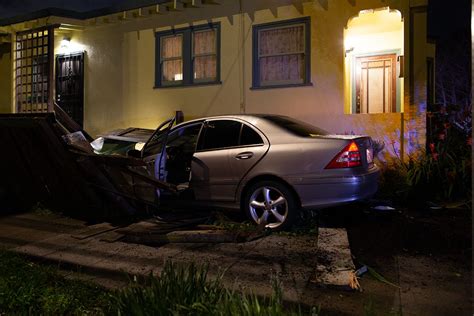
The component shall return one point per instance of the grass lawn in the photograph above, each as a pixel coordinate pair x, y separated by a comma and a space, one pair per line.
29, 288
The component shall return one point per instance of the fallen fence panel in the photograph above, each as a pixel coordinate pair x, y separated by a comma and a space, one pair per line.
45, 158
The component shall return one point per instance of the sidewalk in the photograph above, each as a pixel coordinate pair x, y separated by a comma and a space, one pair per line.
312, 271
249, 266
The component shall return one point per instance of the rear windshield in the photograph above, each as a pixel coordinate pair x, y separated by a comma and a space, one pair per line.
296, 127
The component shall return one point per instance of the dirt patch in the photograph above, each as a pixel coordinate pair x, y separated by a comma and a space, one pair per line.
426, 252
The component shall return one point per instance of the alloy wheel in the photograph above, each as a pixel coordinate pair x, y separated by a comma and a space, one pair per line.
269, 205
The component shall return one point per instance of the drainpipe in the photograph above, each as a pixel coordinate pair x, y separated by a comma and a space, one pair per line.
242, 61
402, 137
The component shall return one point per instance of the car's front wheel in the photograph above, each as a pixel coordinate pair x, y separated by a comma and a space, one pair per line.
272, 204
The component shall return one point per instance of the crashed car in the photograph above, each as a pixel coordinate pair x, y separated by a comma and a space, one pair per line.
268, 166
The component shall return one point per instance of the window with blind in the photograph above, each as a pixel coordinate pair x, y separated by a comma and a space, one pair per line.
281, 54
189, 56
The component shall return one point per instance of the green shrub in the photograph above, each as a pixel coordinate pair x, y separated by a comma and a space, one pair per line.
441, 174
445, 176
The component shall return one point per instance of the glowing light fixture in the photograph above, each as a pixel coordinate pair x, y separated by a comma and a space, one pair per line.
65, 43
68, 47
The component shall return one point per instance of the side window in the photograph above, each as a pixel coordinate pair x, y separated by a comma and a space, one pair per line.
184, 138
155, 144
249, 136
220, 134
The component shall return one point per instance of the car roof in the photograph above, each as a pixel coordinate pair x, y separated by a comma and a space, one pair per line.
244, 117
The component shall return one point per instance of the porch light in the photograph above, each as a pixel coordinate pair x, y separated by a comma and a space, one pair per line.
65, 43
68, 47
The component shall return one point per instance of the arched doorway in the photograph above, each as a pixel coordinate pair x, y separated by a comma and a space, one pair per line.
373, 43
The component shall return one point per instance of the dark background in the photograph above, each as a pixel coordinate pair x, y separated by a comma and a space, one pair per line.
449, 26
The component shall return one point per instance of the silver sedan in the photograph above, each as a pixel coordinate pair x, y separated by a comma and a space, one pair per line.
268, 166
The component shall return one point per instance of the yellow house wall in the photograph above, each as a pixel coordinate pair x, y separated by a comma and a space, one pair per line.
5, 78
120, 62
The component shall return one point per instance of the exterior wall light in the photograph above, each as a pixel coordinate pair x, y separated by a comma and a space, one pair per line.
65, 43
67, 46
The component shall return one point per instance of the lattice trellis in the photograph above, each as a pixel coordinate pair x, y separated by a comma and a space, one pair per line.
34, 70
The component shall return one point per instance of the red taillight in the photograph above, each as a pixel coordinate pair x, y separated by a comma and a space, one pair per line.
349, 157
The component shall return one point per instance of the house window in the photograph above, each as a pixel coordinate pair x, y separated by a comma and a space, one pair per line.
188, 56
172, 59
205, 55
281, 54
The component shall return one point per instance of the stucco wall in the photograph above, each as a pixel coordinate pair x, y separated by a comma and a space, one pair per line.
5, 78
120, 59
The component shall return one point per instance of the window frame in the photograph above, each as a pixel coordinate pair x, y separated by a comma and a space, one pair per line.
202, 134
306, 22
163, 59
180, 128
187, 56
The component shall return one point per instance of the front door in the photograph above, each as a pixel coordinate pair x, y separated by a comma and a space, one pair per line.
70, 85
376, 84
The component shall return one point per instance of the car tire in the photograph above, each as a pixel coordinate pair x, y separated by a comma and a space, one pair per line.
272, 202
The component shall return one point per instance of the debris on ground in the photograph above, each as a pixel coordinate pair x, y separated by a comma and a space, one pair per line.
354, 281
433, 206
361, 271
383, 208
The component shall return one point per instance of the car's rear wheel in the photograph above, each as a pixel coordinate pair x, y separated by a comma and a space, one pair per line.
272, 204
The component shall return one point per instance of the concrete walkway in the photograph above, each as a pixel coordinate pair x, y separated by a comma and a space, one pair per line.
301, 263
312, 271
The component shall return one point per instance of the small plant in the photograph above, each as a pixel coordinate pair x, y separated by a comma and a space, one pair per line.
307, 225
186, 290
441, 173
223, 221
30, 289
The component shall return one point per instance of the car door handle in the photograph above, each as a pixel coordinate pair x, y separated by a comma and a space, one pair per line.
244, 155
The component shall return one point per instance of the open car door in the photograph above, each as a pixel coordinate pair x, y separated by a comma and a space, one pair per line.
154, 152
